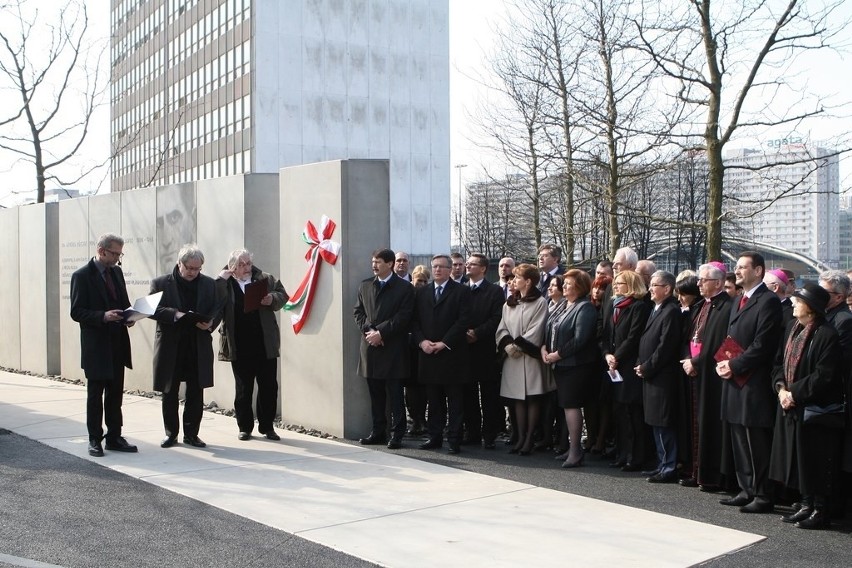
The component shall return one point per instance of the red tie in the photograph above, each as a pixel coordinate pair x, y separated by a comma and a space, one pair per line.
743, 301
110, 285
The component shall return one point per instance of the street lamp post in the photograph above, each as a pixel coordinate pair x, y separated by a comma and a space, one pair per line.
459, 210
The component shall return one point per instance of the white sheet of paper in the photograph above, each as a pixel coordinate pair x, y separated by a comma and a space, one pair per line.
615, 376
143, 307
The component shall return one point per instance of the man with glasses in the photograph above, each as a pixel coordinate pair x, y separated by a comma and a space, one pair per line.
439, 330
400, 266
708, 328
98, 298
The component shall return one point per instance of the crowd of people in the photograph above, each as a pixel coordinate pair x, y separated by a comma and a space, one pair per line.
724, 381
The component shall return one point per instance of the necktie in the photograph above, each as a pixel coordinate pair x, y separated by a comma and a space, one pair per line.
438, 292
110, 285
743, 301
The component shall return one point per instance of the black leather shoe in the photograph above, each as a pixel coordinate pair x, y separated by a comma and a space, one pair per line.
194, 441
394, 443
817, 520
271, 435
489, 444
373, 440
737, 501
663, 478
688, 482
431, 444
616, 463
168, 442
95, 449
631, 467
650, 472
454, 449
757, 507
244, 436
120, 445
799, 515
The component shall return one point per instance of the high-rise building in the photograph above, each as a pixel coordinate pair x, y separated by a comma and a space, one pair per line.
787, 197
211, 88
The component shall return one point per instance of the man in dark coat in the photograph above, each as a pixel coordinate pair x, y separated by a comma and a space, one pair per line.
188, 313
657, 366
709, 329
440, 331
383, 314
486, 309
98, 298
549, 258
251, 341
748, 403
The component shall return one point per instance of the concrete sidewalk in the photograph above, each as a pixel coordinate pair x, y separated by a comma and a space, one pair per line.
355, 499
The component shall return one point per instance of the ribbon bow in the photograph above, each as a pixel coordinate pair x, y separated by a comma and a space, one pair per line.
321, 248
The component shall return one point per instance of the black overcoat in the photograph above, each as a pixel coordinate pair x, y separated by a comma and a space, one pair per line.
389, 311
659, 361
841, 319
446, 320
486, 309
622, 340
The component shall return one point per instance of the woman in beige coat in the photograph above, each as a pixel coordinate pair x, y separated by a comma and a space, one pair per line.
520, 336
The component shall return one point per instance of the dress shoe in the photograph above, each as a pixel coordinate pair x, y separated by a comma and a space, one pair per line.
688, 482
817, 520
737, 501
244, 436
670, 477
120, 445
568, 464
95, 449
489, 444
394, 443
563, 456
431, 444
194, 441
168, 442
799, 515
631, 467
757, 507
618, 464
650, 472
271, 435
373, 440
454, 449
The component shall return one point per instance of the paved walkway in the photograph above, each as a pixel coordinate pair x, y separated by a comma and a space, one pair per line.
353, 499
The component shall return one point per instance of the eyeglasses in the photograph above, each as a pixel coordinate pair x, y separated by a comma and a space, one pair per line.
658, 285
117, 254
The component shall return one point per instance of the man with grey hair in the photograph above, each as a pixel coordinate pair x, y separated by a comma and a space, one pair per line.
250, 340
645, 269
188, 313
625, 259
706, 332
98, 298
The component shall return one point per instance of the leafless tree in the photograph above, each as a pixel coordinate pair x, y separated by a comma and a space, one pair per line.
732, 61
52, 66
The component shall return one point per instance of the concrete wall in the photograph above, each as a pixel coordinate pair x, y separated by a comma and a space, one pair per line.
264, 213
354, 195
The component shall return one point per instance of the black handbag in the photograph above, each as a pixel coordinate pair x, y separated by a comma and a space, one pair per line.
829, 416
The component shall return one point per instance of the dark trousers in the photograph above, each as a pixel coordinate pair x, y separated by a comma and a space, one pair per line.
484, 416
265, 372
665, 439
751, 447
630, 421
445, 400
193, 407
103, 404
383, 391
415, 401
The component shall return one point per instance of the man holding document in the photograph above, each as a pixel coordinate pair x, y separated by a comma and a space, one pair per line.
98, 299
250, 339
188, 312
745, 362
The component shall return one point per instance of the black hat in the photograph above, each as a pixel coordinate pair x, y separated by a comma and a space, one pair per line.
815, 296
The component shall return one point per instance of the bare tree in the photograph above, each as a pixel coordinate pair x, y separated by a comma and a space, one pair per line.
48, 61
729, 57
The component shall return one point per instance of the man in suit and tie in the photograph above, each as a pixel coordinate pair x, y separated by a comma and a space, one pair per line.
505, 269
549, 257
440, 332
383, 314
486, 308
189, 311
401, 264
457, 272
98, 298
748, 400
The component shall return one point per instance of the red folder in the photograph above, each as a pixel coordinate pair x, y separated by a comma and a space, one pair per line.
730, 349
254, 293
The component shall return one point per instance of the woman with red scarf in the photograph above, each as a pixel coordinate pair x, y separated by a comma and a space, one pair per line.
807, 375
623, 329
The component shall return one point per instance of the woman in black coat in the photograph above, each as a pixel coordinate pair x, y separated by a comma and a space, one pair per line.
622, 332
805, 455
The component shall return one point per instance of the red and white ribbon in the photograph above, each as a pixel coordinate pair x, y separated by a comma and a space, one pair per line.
321, 248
